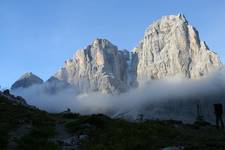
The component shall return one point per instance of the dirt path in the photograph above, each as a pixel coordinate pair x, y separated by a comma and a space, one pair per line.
65, 140
61, 131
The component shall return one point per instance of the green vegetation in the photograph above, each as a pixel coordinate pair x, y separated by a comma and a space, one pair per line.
38, 139
106, 133
4, 137
103, 132
13, 115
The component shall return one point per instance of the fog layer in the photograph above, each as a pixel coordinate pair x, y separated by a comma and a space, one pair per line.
173, 98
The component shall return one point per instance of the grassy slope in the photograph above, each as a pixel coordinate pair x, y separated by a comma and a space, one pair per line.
105, 133
13, 115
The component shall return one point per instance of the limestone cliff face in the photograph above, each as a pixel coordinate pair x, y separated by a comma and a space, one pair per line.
98, 67
172, 47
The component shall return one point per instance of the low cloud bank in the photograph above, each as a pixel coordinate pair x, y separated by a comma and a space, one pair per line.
174, 98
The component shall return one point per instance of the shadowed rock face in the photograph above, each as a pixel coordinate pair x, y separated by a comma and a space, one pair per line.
54, 85
26, 80
172, 47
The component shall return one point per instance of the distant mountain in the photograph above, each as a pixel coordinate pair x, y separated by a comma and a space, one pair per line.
98, 67
26, 80
54, 85
170, 47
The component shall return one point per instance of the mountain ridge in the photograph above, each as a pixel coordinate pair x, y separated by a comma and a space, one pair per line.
170, 47
26, 80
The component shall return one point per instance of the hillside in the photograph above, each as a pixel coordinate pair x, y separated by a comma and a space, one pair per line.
24, 128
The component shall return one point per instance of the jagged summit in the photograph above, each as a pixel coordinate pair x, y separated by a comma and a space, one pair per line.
104, 43
26, 80
170, 47
27, 75
180, 18
173, 47
98, 67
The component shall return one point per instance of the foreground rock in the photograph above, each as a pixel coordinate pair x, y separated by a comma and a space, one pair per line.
17, 99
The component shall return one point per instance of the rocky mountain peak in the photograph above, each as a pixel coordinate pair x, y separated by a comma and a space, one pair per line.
102, 43
26, 80
173, 47
27, 75
98, 67
170, 47
166, 22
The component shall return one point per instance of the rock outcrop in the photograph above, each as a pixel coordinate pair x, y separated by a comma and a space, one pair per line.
26, 80
172, 47
18, 99
98, 67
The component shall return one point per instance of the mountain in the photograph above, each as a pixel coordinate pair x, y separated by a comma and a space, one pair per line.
170, 47
26, 80
54, 85
98, 67
51, 86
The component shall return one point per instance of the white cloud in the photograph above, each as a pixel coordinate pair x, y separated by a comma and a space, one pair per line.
164, 99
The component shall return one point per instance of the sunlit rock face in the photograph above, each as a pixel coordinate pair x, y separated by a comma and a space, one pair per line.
26, 80
172, 47
98, 67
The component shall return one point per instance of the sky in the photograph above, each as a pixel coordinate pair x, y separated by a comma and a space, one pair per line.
39, 35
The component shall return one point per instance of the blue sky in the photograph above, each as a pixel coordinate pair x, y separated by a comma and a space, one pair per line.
39, 35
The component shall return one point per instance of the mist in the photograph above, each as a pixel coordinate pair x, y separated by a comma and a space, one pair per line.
173, 98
